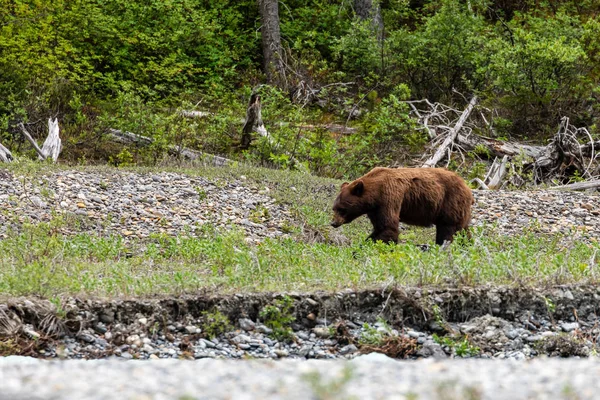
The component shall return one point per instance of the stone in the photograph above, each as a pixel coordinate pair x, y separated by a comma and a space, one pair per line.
322, 332
191, 329
246, 324
569, 326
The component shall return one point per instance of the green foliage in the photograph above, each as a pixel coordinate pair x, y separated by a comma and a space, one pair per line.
359, 50
461, 346
279, 317
215, 323
439, 56
373, 336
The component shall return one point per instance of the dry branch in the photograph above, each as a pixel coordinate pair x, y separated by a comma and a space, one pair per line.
129, 138
451, 137
31, 140
52, 145
571, 151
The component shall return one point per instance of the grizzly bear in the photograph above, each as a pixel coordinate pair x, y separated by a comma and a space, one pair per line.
414, 196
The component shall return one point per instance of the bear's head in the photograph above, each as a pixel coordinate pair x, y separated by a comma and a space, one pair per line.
350, 203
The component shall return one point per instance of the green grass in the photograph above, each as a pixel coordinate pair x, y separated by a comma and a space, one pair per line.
40, 260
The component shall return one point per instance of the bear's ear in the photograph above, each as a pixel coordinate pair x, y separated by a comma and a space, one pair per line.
357, 188
344, 184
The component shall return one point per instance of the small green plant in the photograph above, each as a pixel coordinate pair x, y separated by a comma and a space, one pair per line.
123, 159
279, 317
461, 346
259, 213
8, 347
373, 336
201, 193
60, 311
550, 305
215, 323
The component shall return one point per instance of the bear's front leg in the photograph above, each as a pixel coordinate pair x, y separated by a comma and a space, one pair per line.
385, 226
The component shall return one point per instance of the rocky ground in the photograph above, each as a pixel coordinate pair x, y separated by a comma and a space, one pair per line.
499, 323
137, 205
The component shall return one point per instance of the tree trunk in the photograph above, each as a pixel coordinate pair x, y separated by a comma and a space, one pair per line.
366, 10
271, 43
253, 122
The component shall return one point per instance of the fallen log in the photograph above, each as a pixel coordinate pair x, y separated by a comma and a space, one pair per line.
451, 137
130, 138
593, 184
499, 148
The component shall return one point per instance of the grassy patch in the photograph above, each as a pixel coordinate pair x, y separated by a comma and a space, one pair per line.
41, 260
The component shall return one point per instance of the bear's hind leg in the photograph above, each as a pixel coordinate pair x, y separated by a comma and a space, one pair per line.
444, 233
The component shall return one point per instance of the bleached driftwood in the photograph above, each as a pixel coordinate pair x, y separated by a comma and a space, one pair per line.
493, 178
52, 145
129, 138
571, 151
593, 184
5, 154
451, 137
195, 114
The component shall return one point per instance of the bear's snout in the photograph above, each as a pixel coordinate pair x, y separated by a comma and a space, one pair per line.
336, 224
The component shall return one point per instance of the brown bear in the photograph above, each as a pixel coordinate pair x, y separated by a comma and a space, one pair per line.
414, 196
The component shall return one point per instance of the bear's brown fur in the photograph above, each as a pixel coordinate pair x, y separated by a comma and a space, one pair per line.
414, 196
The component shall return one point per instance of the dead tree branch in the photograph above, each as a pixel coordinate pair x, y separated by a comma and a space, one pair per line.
31, 140
593, 184
451, 136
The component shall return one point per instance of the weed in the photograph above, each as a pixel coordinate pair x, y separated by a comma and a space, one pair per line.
215, 323
279, 317
461, 346
259, 214
201, 193
8, 347
371, 335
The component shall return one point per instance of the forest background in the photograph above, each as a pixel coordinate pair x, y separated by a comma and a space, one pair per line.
136, 66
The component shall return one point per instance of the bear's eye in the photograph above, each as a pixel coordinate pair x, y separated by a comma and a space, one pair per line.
341, 211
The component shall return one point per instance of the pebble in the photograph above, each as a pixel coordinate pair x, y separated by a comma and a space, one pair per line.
246, 324
141, 205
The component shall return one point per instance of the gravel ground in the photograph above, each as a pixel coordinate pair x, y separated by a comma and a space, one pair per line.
373, 376
137, 204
